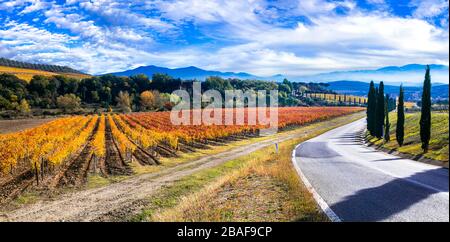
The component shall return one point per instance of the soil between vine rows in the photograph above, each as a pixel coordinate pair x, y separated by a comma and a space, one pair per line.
116, 201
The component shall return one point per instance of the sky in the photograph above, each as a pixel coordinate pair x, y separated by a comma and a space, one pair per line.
262, 37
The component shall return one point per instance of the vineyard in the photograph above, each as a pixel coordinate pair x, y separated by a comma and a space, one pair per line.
338, 98
27, 74
65, 151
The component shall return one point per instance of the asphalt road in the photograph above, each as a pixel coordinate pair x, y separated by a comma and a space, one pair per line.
359, 183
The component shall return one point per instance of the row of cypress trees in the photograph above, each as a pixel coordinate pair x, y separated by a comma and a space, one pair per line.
376, 110
425, 116
378, 119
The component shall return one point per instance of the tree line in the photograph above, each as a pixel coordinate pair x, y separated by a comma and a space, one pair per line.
106, 91
338, 98
42, 67
378, 110
59, 91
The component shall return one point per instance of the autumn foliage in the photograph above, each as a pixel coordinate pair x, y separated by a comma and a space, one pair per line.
58, 142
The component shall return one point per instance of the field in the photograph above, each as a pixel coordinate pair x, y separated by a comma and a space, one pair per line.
63, 152
439, 136
27, 74
410, 105
15, 125
336, 98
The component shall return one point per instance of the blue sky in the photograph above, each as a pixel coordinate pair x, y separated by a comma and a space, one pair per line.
262, 37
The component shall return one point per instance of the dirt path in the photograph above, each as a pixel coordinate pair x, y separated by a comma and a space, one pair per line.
11, 126
119, 199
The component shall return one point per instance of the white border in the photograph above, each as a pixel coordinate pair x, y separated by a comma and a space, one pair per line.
322, 204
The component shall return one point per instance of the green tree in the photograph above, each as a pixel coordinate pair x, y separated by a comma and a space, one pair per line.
69, 102
379, 120
425, 117
164, 83
400, 128
284, 88
142, 82
217, 83
287, 82
4, 103
24, 107
387, 125
371, 107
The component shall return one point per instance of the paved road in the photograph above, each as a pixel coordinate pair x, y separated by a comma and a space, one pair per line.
359, 183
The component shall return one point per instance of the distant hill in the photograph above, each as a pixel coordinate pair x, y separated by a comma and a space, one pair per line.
412, 67
438, 90
41, 67
192, 72
410, 75
26, 71
27, 74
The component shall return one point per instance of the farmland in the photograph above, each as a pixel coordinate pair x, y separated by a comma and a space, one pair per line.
63, 152
412, 144
27, 74
338, 98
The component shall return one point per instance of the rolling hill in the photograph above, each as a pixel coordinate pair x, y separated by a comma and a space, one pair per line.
27, 74
190, 72
26, 71
409, 75
438, 90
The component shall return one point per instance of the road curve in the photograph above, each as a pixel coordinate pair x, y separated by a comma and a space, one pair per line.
359, 183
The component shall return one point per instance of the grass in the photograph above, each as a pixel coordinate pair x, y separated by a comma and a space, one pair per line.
27, 74
261, 186
201, 153
96, 181
26, 198
439, 148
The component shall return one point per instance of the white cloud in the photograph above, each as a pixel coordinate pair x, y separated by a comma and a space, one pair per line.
27, 6
331, 43
11, 4
28, 43
118, 13
35, 5
429, 8
245, 35
73, 22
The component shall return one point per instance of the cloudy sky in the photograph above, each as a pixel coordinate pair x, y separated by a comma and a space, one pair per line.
262, 37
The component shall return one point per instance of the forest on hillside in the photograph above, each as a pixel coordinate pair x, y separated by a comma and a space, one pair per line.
135, 93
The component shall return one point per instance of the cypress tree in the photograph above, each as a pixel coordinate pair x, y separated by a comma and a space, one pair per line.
379, 120
375, 97
400, 129
371, 106
425, 117
387, 125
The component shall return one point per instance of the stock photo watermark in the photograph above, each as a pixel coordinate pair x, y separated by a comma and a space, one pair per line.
229, 108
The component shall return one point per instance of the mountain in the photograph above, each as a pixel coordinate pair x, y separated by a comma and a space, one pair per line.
412, 67
410, 75
412, 93
190, 72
